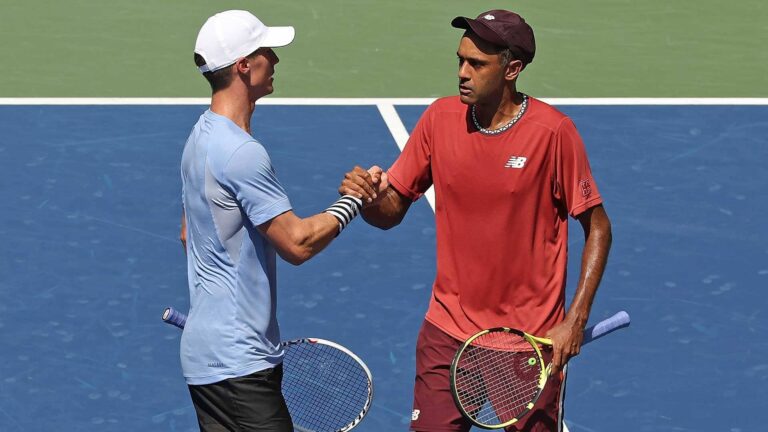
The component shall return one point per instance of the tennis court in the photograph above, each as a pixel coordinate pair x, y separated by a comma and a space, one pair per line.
91, 258
91, 192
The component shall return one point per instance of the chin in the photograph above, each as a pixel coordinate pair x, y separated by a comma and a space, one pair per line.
467, 100
266, 91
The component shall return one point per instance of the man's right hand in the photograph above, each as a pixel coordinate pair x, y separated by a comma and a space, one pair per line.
367, 185
383, 206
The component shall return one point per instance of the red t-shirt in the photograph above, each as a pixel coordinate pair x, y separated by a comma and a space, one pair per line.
501, 208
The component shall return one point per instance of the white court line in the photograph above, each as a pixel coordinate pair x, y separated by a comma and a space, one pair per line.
206, 101
656, 101
400, 134
377, 101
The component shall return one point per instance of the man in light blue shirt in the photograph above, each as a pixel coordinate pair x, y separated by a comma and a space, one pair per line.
237, 218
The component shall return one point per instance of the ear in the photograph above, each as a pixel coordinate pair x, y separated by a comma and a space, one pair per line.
242, 65
513, 69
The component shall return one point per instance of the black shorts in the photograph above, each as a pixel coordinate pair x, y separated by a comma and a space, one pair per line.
251, 403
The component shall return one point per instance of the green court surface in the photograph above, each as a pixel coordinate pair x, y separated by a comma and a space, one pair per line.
395, 48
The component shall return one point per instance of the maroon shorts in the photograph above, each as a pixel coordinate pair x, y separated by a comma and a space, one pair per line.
433, 407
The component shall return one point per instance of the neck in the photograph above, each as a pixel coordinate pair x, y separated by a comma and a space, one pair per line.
234, 105
496, 112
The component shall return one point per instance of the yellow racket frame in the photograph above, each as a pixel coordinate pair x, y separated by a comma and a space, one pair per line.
543, 374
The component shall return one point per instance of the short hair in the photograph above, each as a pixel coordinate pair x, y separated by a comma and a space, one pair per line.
506, 56
218, 79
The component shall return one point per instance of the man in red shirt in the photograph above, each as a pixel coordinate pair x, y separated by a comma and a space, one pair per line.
507, 170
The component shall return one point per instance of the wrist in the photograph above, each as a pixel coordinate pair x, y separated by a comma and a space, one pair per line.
344, 210
577, 318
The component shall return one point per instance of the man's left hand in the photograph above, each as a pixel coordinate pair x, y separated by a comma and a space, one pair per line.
566, 342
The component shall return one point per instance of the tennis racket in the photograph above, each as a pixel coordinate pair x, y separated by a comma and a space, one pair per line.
498, 374
326, 386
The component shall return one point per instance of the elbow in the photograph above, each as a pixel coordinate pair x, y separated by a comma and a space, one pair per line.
300, 249
299, 260
295, 261
292, 238
297, 255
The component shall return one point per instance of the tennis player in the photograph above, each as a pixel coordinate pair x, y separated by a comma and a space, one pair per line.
508, 170
237, 217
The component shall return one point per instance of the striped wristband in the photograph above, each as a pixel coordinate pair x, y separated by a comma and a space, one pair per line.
345, 209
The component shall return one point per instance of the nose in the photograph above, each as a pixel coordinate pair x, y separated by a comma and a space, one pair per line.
463, 72
275, 58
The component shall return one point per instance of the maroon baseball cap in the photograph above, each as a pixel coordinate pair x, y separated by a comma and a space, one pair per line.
503, 28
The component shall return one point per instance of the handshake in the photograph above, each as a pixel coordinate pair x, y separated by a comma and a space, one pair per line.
369, 185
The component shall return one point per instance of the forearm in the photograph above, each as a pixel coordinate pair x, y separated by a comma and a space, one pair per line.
297, 240
567, 336
388, 211
314, 234
593, 261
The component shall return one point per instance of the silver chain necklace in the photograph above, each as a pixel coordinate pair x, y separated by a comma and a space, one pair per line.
509, 124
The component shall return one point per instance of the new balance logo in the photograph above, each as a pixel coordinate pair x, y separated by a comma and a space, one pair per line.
415, 415
516, 162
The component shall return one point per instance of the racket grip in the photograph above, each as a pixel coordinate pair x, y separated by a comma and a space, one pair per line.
174, 317
618, 321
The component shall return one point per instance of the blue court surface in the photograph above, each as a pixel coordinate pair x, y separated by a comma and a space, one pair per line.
90, 257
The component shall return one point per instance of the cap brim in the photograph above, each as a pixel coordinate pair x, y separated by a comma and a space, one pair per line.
276, 37
460, 22
478, 28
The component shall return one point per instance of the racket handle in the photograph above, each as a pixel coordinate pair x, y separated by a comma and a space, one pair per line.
618, 321
174, 317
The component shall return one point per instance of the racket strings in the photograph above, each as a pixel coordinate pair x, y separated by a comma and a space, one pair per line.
325, 389
497, 377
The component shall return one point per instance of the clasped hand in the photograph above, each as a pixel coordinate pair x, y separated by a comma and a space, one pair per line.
368, 185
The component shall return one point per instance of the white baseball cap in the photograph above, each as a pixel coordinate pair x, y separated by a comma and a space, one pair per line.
230, 35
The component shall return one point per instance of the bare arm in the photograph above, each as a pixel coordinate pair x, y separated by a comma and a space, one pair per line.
183, 233
385, 206
297, 240
567, 336
388, 211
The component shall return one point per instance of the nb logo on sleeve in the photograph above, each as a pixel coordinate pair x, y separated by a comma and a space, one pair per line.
415, 415
516, 162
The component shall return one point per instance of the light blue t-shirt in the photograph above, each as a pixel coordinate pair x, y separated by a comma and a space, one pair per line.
229, 188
